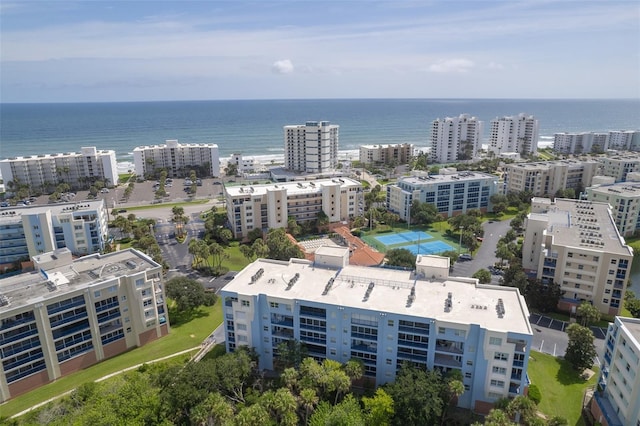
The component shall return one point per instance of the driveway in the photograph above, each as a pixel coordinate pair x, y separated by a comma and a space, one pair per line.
485, 255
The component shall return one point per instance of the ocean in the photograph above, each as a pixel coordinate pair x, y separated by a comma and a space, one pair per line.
254, 128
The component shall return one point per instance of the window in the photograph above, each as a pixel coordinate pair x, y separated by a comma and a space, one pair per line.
388, 361
497, 383
96, 293
467, 375
496, 341
241, 327
501, 356
246, 303
242, 338
265, 328
274, 305
390, 323
332, 351
469, 362
499, 370
441, 330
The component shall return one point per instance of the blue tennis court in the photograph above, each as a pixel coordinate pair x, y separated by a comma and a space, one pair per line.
434, 247
403, 237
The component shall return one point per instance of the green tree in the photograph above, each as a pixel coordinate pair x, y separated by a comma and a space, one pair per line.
417, 396
632, 303
452, 255
308, 399
187, 293
588, 314
281, 405
346, 413
378, 409
214, 410
280, 247
423, 213
580, 349
543, 297
483, 276
290, 353
401, 257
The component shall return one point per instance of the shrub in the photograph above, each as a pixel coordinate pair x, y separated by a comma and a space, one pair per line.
534, 394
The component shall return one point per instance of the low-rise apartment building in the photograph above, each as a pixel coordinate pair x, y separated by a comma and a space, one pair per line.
545, 178
386, 154
617, 400
575, 244
385, 318
451, 192
78, 169
624, 198
619, 165
32, 230
178, 159
71, 314
270, 205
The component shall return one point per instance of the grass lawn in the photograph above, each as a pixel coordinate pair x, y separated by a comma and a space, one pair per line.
508, 214
560, 385
236, 261
183, 336
166, 205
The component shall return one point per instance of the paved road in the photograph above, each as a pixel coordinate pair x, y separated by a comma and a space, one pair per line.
486, 253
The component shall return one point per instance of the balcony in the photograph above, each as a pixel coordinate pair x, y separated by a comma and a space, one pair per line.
413, 344
8, 337
283, 320
365, 348
7, 323
447, 361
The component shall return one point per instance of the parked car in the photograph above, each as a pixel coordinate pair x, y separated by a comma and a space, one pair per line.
465, 257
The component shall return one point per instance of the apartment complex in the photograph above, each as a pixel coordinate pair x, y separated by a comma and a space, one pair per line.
580, 143
547, 177
78, 169
386, 154
31, 230
455, 138
74, 313
514, 134
311, 147
619, 165
271, 205
385, 317
576, 245
451, 192
178, 159
624, 198
617, 401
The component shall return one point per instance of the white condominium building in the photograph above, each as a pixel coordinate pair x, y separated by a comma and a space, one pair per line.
71, 314
624, 198
28, 231
455, 138
576, 245
547, 177
311, 147
618, 166
617, 400
269, 206
584, 142
78, 169
514, 134
386, 154
628, 140
385, 318
178, 159
451, 192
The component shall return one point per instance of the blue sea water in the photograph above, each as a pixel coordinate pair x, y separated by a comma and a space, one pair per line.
255, 127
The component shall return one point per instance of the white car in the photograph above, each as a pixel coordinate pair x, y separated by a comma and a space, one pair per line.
104, 190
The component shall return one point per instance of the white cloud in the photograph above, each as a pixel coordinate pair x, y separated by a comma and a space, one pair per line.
495, 66
283, 66
452, 65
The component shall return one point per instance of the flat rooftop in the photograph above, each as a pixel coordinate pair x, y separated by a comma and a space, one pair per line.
11, 214
584, 225
472, 303
28, 288
545, 165
620, 189
292, 188
453, 177
633, 325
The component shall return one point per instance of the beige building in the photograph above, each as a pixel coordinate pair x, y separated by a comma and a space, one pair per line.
74, 313
269, 206
576, 244
546, 178
624, 198
386, 154
78, 169
619, 165
178, 159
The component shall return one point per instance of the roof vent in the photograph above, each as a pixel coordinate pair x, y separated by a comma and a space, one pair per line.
293, 280
369, 290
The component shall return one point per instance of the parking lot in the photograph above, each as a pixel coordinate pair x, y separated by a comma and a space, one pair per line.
547, 322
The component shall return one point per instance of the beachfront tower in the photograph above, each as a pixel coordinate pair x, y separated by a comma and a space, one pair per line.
455, 138
311, 147
514, 134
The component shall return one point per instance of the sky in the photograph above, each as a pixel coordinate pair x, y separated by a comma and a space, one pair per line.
94, 51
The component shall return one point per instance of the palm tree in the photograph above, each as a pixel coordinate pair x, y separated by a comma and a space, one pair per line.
308, 400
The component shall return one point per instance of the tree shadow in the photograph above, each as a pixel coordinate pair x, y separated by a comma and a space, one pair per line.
217, 351
567, 375
177, 319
